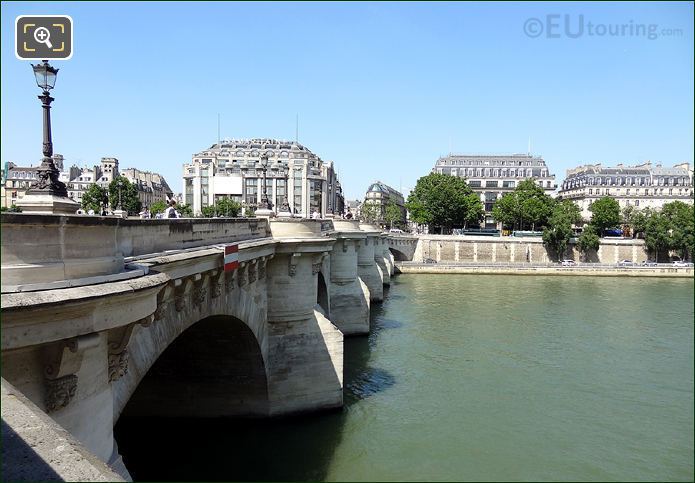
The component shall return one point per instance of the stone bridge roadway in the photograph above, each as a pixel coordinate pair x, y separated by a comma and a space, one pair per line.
102, 316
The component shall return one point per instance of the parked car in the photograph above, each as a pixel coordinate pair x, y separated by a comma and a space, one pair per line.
681, 263
649, 263
568, 263
429, 260
395, 230
625, 263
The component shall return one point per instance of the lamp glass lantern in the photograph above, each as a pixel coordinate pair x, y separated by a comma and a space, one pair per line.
45, 75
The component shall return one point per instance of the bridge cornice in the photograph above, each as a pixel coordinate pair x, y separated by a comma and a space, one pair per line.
48, 316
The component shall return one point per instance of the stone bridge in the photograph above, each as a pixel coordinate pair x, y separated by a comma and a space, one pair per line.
105, 316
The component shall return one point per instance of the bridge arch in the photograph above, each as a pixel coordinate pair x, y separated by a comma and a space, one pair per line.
213, 368
398, 255
235, 317
322, 294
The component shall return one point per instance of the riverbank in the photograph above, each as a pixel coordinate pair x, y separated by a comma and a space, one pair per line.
593, 270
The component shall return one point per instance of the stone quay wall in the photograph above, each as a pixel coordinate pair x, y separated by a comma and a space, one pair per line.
483, 249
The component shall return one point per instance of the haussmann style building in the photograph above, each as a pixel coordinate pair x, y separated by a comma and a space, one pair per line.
381, 195
233, 169
491, 176
641, 186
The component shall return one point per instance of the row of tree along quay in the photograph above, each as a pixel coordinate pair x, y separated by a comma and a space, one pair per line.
444, 202
122, 193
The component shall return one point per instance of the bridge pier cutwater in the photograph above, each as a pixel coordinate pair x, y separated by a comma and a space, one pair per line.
107, 316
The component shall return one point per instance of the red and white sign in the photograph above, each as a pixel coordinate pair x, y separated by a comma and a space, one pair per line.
231, 257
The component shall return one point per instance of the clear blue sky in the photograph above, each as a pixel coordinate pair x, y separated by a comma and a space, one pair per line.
382, 89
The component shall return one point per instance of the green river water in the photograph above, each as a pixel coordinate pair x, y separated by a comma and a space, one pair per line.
469, 377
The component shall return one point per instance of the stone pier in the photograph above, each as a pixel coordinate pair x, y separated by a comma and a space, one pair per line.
349, 294
367, 268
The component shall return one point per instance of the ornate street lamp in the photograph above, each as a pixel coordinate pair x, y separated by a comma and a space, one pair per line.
266, 204
119, 183
47, 174
285, 207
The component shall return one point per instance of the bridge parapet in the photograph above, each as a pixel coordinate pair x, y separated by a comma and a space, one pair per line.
37, 250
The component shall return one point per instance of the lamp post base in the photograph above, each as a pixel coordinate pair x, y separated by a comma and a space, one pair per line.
265, 213
47, 204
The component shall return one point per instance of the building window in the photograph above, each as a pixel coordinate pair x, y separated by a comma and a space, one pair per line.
189, 192
591, 192
636, 202
491, 184
474, 184
280, 192
315, 195
490, 198
298, 207
251, 190
508, 184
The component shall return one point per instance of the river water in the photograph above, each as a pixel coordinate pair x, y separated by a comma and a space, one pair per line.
475, 377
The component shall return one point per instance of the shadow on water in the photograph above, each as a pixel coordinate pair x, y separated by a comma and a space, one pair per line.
298, 448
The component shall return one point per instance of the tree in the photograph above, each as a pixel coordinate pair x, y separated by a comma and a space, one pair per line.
588, 240
639, 221
370, 211
208, 211
185, 211
526, 206
474, 210
656, 234
93, 198
443, 200
158, 207
228, 207
681, 226
605, 214
558, 232
507, 210
129, 199
393, 214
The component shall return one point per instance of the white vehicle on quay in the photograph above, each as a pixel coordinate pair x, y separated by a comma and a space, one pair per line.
568, 263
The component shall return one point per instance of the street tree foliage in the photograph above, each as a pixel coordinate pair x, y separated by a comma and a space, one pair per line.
93, 198
558, 231
682, 227
158, 207
223, 207
656, 234
445, 201
671, 228
589, 240
129, 200
393, 214
526, 207
186, 211
370, 212
605, 214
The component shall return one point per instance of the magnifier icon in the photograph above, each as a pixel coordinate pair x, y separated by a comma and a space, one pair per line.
43, 36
